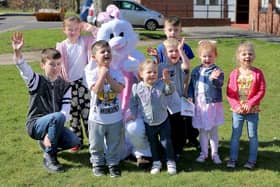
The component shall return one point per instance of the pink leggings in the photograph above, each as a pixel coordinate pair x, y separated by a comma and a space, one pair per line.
214, 141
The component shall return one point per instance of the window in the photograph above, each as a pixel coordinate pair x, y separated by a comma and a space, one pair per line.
277, 4
200, 2
265, 3
207, 2
127, 5
214, 2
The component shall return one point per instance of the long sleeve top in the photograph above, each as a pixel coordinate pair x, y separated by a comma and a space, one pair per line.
213, 88
151, 101
45, 96
256, 92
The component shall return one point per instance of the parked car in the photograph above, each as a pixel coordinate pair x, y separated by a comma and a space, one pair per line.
138, 15
4, 3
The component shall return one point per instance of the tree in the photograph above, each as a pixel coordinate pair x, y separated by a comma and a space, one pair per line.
78, 4
101, 5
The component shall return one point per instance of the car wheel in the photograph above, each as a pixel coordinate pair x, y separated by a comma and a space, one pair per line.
151, 25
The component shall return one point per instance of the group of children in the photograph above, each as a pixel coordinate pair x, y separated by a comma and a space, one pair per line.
93, 96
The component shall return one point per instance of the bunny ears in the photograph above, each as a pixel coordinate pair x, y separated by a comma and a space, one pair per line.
112, 11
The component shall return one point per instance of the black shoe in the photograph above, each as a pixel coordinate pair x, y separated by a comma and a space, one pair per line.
51, 163
114, 171
99, 171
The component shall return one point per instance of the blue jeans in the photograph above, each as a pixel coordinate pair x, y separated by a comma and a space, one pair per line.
60, 136
160, 136
252, 129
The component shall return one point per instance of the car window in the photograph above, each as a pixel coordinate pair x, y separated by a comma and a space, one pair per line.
128, 5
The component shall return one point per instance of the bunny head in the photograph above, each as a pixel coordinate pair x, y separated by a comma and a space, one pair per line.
118, 32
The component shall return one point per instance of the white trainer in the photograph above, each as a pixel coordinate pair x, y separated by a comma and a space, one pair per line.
201, 158
156, 167
171, 167
216, 159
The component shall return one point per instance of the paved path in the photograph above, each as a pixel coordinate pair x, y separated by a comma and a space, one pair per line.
193, 33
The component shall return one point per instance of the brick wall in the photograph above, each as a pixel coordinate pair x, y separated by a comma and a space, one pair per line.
181, 8
264, 20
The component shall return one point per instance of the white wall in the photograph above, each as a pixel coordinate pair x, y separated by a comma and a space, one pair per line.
200, 11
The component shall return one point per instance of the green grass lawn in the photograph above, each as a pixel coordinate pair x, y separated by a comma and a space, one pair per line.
21, 157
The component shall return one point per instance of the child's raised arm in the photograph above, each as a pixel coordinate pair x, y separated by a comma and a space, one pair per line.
153, 52
17, 44
30, 78
185, 60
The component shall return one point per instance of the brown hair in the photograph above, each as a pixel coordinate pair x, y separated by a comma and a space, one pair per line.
143, 64
207, 45
246, 45
173, 20
99, 44
72, 18
49, 54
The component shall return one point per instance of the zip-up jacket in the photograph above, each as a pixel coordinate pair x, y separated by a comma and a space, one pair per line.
45, 96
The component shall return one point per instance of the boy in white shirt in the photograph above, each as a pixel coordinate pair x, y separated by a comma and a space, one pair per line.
105, 117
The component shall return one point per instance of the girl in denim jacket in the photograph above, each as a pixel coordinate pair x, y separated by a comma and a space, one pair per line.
205, 91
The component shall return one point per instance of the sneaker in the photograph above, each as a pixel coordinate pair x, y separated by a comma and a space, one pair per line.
51, 163
114, 171
156, 167
216, 159
201, 158
249, 165
99, 171
171, 167
231, 164
143, 163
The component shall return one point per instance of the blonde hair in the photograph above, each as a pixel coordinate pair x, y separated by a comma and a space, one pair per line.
170, 42
143, 65
209, 45
242, 46
71, 19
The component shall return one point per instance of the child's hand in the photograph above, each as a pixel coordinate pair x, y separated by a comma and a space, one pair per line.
103, 71
239, 110
17, 41
152, 51
215, 74
46, 141
190, 99
130, 118
246, 108
181, 44
86, 27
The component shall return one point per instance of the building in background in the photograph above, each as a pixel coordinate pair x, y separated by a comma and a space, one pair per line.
261, 15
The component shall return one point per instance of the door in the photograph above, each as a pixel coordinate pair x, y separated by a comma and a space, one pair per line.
242, 11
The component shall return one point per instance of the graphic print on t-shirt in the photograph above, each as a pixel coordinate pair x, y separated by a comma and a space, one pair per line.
107, 100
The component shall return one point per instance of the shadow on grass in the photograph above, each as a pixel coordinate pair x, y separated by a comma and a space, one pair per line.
82, 159
79, 158
266, 159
